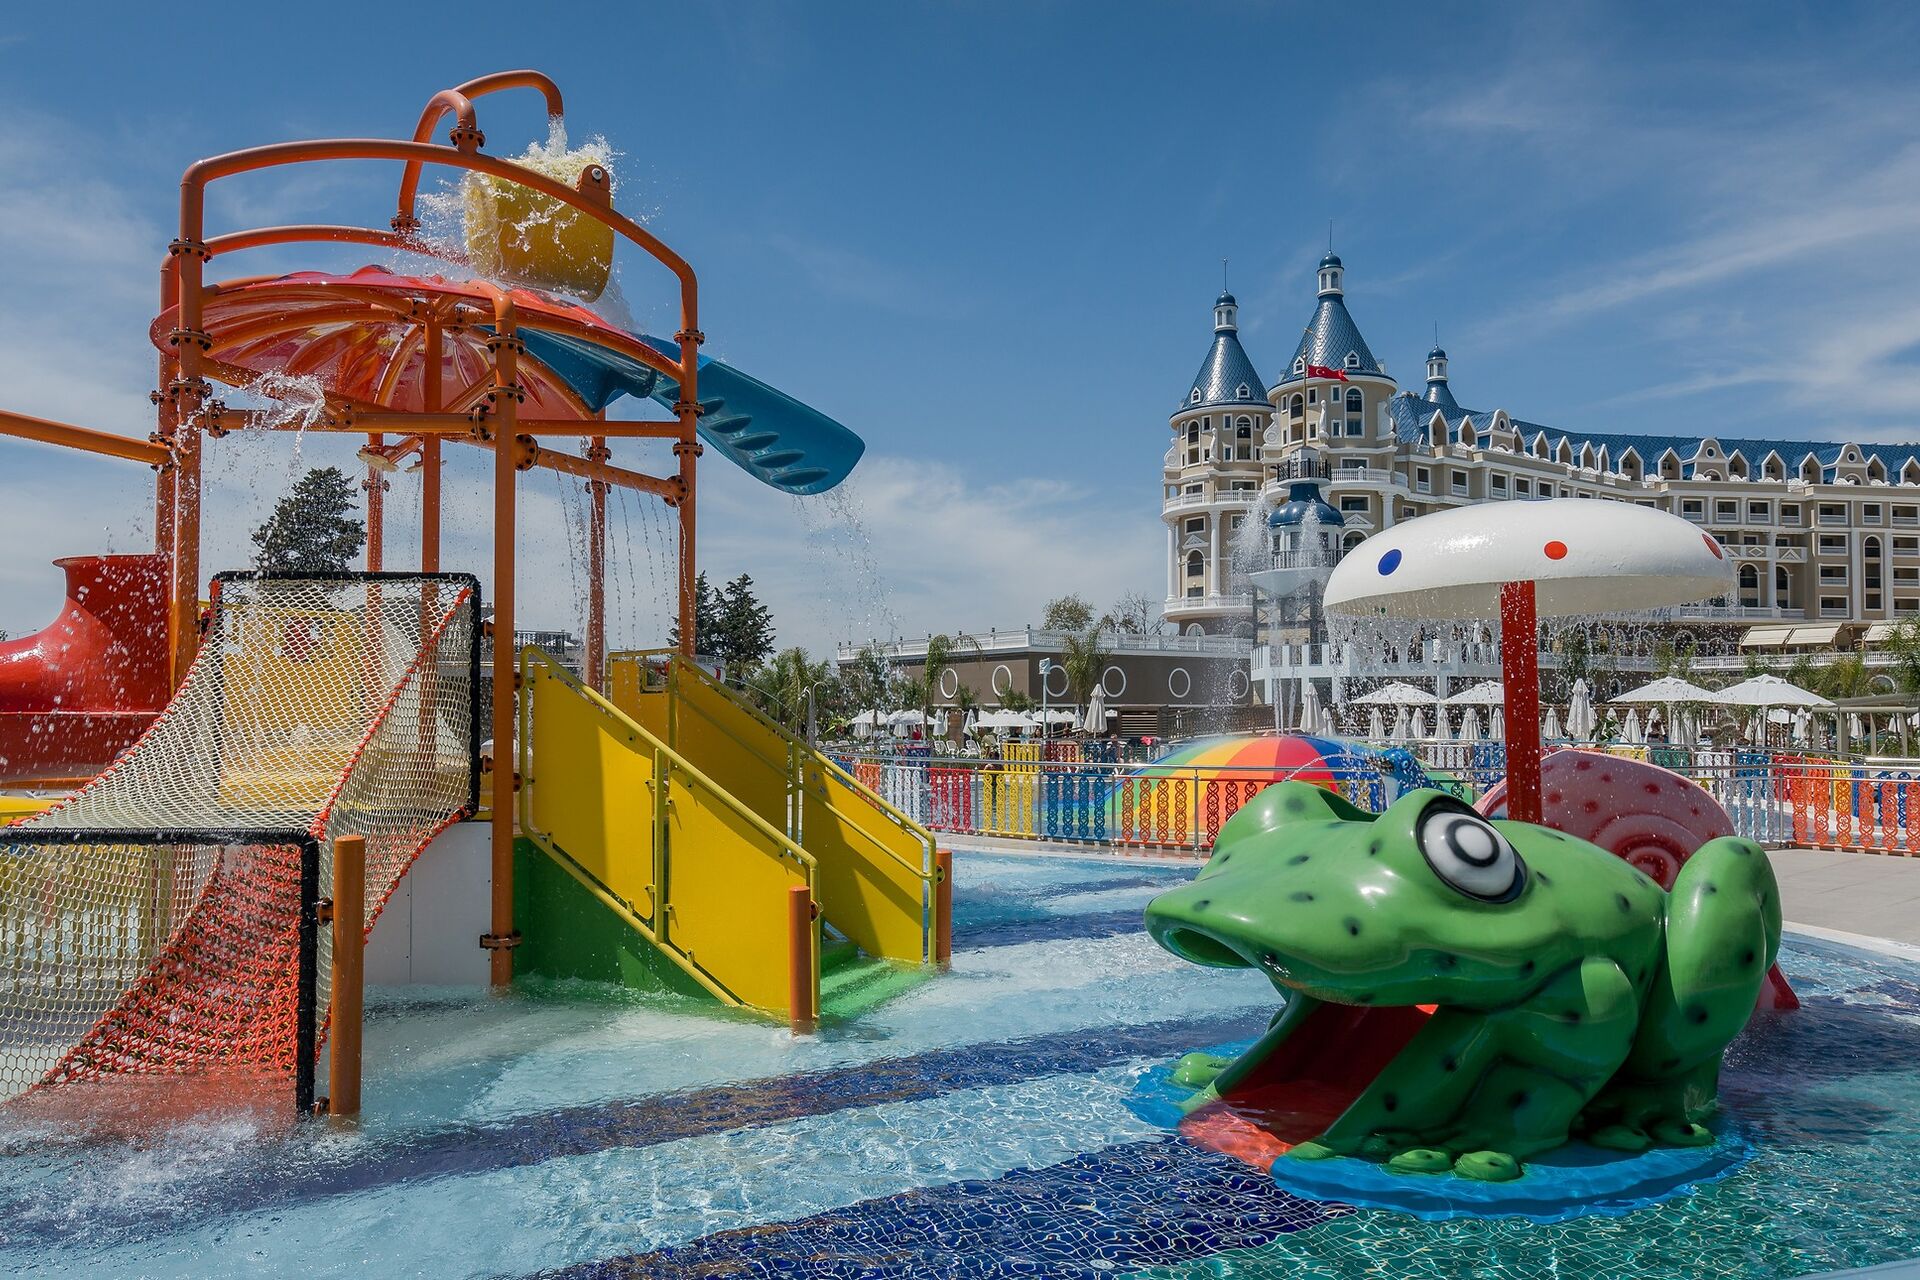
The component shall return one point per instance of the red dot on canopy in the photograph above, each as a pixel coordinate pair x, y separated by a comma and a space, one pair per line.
1556, 550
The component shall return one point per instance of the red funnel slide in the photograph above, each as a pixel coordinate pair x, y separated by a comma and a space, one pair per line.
75, 695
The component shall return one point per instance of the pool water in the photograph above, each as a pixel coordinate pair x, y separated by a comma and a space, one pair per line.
974, 1126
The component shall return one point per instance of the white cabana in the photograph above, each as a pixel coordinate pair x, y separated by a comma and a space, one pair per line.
941, 724
1487, 693
1003, 721
1418, 727
1470, 725
1550, 727
1329, 728
1630, 731
1397, 694
1497, 724
1376, 725
907, 720
971, 723
1402, 726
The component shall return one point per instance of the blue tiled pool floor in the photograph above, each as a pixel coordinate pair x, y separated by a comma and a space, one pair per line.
977, 1126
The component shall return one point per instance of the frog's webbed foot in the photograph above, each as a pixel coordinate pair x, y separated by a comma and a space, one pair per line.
1421, 1160
1682, 1133
1487, 1166
1619, 1137
1199, 1070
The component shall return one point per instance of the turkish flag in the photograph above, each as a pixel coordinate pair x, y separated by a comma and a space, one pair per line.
1322, 371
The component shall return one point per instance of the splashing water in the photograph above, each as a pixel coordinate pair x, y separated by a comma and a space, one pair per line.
854, 588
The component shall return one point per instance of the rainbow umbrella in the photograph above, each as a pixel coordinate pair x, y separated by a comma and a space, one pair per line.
1196, 786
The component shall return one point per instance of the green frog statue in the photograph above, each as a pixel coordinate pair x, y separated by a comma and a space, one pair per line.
1570, 994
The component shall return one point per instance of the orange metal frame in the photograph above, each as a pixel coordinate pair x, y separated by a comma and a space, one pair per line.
486, 414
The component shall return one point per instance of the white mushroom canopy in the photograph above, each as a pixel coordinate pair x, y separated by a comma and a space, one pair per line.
1583, 555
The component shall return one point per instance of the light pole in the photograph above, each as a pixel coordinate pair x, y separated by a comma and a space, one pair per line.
1046, 669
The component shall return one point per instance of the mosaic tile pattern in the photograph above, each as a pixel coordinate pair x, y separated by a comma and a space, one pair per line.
1084, 1219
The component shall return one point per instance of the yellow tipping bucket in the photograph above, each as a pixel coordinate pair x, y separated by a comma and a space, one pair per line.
518, 236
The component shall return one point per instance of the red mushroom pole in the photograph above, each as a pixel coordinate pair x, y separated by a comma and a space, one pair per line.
1520, 680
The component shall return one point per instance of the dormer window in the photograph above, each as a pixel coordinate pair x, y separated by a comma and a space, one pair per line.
1300, 366
1242, 393
1194, 397
1353, 360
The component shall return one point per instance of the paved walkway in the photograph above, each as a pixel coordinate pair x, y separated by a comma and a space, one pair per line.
1863, 896
1868, 894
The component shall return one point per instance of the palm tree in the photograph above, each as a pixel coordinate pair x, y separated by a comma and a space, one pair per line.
1845, 677
940, 654
1084, 661
782, 686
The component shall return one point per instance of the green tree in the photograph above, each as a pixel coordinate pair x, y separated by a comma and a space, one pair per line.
312, 529
866, 682
1084, 661
1903, 646
1067, 613
1132, 614
1014, 700
742, 628
781, 687
1845, 676
941, 651
706, 619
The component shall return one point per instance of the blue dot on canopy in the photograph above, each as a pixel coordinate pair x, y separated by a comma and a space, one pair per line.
1389, 562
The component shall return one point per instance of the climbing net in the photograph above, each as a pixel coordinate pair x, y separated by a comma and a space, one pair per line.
163, 920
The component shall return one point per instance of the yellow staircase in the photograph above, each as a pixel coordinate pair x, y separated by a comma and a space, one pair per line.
694, 819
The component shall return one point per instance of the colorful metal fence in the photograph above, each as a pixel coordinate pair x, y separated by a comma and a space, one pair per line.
1779, 800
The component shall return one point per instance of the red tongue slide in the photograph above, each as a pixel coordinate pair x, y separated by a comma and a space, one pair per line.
1304, 1085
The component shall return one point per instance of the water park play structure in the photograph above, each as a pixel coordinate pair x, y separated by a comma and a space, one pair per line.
167, 919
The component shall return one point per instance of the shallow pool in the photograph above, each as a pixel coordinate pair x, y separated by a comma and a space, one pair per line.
974, 1126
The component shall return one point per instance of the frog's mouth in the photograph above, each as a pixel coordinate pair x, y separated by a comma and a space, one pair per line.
1315, 1060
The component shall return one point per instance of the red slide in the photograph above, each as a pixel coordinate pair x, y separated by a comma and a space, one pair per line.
75, 695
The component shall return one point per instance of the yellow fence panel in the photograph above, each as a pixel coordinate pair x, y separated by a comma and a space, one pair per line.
727, 882
874, 866
706, 880
590, 790
874, 870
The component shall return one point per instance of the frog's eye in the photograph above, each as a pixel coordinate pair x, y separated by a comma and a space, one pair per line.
1466, 852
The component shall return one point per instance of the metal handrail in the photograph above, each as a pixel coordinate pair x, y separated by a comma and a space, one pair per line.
532, 655
926, 873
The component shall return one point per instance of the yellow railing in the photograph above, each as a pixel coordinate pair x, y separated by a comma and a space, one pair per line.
877, 873
699, 874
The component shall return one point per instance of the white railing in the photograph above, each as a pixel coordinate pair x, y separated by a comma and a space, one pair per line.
1042, 640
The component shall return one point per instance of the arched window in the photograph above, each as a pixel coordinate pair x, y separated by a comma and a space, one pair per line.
1750, 586
1354, 402
1196, 564
1296, 406
1353, 539
1782, 588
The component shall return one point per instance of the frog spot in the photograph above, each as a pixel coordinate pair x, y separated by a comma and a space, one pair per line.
1543, 877
1390, 1102
1203, 904
1527, 967
1624, 902
1448, 1064
1302, 896
1298, 858
1749, 957
1353, 927
1710, 887
1373, 848
1519, 1099
1293, 804
1697, 1014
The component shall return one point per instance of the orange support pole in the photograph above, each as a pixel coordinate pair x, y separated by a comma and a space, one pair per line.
186, 549
943, 908
431, 395
502, 420
595, 663
376, 510
349, 975
800, 960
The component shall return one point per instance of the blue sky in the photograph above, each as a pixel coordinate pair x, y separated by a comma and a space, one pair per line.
987, 237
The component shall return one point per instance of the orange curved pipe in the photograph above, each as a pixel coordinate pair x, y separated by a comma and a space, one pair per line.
461, 99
